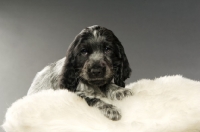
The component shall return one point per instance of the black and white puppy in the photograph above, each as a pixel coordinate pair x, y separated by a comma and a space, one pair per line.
95, 67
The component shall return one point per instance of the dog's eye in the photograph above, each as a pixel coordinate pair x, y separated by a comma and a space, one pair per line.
108, 50
84, 52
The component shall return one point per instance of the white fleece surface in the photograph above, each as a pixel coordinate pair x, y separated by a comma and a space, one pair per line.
166, 104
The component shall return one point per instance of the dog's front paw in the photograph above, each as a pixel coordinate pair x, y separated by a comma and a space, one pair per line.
111, 112
119, 94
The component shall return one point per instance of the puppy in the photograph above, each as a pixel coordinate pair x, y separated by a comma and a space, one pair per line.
95, 67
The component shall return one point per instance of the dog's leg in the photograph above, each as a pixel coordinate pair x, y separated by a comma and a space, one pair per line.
84, 90
93, 98
115, 92
108, 110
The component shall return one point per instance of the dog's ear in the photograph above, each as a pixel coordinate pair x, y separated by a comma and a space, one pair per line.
69, 77
122, 70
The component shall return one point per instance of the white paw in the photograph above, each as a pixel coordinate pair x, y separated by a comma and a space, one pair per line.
111, 112
121, 93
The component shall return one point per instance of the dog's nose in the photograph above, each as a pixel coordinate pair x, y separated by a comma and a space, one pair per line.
97, 72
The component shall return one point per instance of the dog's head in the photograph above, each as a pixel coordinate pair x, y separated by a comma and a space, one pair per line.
96, 56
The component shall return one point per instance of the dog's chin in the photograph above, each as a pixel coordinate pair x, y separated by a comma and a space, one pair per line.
97, 82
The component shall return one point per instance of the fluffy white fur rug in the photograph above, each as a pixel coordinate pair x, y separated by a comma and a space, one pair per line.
166, 104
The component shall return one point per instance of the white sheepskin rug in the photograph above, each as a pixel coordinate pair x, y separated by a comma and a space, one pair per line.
166, 104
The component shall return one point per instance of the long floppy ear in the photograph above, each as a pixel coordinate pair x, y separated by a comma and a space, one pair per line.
69, 76
122, 71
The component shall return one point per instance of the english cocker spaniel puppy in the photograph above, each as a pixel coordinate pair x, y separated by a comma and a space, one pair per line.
95, 67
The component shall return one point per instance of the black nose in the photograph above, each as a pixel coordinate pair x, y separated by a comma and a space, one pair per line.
97, 72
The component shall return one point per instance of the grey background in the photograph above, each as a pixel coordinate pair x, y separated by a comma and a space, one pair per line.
160, 37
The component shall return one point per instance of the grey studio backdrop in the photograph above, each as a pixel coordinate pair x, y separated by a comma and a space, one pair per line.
160, 37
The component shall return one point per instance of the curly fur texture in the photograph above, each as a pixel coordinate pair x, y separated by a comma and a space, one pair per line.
166, 104
95, 66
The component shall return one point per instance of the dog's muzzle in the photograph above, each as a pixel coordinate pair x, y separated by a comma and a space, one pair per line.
97, 70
